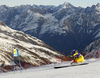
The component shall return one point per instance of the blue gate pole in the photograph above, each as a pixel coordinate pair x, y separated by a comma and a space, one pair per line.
19, 61
13, 58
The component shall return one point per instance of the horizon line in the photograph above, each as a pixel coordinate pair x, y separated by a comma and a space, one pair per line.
48, 5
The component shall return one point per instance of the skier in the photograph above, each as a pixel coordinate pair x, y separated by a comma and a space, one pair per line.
77, 57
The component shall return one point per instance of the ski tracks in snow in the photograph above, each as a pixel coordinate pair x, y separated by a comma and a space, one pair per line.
91, 70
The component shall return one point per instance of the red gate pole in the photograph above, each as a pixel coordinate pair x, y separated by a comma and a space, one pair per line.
89, 55
58, 59
64, 56
25, 65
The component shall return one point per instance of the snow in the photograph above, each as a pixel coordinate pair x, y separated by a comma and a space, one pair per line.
52, 25
29, 45
17, 17
98, 8
98, 35
80, 21
31, 24
92, 70
6, 28
9, 36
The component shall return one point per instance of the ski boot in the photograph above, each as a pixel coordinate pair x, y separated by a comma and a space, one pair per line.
74, 63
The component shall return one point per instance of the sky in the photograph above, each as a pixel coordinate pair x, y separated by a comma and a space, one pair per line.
82, 3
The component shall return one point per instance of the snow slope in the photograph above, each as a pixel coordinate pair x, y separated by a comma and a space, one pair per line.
31, 49
92, 70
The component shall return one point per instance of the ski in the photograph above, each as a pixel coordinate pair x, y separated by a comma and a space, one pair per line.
70, 65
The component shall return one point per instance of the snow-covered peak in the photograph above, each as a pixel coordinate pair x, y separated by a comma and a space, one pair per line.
98, 8
98, 5
66, 5
4, 27
2, 24
3, 7
40, 21
93, 9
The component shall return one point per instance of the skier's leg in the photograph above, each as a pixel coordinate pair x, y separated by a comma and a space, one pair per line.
74, 62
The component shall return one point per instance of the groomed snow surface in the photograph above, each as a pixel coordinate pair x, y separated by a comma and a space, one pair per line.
91, 70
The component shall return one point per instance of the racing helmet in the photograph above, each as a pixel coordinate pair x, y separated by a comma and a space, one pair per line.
73, 52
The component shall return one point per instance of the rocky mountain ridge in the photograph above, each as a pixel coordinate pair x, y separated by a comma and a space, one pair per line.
64, 27
31, 50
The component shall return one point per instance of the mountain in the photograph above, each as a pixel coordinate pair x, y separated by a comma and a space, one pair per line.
94, 46
92, 50
64, 27
31, 50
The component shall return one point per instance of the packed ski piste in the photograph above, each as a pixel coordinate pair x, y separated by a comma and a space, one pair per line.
79, 67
